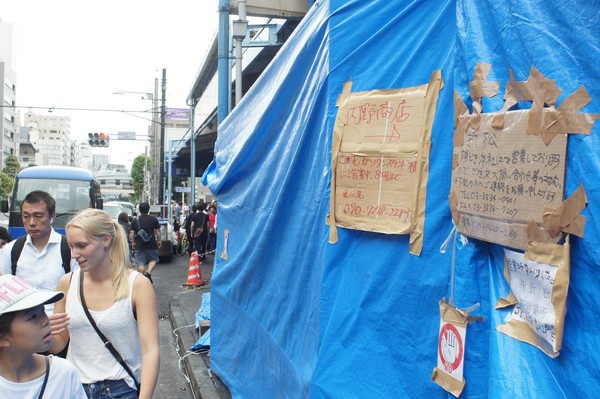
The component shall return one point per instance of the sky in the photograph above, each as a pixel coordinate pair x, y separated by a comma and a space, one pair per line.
75, 54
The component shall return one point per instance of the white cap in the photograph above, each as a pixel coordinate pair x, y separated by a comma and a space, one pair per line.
16, 294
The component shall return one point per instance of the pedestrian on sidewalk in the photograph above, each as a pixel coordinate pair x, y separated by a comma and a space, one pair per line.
24, 332
200, 230
123, 220
106, 298
145, 239
188, 229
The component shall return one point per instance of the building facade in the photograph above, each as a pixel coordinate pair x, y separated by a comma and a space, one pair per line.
8, 122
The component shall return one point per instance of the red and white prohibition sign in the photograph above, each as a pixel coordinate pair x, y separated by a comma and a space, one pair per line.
451, 350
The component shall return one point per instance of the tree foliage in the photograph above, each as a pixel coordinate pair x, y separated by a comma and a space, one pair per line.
12, 166
6, 185
137, 176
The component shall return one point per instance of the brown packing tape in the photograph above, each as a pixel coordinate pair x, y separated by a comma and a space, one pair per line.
335, 149
483, 88
510, 300
480, 87
498, 121
576, 227
536, 87
434, 86
567, 119
540, 90
453, 199
452, 385
451, 314
455, 161
533, 232
461, 120
557, 219
460, 108
521, 331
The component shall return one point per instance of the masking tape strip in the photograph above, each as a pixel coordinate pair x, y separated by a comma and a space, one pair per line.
338, 132
461, 120
534, 233
452, 385
510, 300
480, 87
556, 220
567, 119
434, 86
510, 99
536, 87
455, 161
453, 199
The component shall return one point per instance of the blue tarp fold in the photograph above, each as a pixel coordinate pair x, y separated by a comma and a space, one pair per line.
294, 316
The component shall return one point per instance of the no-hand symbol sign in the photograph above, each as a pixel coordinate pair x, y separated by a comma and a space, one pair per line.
451, 349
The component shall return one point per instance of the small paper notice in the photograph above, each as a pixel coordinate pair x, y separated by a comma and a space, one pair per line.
540, 293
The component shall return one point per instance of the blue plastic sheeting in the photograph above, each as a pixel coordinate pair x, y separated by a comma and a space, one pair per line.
203, 312
296, 317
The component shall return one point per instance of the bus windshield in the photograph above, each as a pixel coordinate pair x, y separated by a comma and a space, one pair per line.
71, 196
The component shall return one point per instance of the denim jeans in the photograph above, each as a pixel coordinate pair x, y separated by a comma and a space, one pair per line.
110, 389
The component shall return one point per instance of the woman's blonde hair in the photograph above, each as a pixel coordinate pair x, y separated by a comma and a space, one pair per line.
96, 224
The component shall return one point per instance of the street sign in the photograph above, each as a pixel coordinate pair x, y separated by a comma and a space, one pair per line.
126, 135
183, 189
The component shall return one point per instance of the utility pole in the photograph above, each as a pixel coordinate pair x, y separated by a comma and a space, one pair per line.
161, 181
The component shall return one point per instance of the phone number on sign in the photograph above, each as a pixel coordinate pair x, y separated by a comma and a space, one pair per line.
354, 209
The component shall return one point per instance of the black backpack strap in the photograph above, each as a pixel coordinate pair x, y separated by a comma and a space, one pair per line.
15, 253
65, 254
17, 249
41, 394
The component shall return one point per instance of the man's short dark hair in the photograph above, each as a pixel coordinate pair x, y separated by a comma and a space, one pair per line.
4, 234
40, 196
144, 208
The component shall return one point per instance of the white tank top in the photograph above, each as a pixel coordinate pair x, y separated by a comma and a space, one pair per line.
86, 350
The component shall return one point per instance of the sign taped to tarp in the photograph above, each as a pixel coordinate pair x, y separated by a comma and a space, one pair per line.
539, 283
380, 160
451, 348
509, 166
505, 178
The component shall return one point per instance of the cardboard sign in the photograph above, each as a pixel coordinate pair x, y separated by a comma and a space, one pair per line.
380, 157
538, 292
505, 178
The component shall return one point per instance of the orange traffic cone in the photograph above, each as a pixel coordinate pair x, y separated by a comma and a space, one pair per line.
194, 278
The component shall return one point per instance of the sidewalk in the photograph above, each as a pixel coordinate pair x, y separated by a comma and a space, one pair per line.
183, 308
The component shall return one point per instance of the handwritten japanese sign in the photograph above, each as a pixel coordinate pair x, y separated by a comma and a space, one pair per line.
380, 159
539, 292
504, 178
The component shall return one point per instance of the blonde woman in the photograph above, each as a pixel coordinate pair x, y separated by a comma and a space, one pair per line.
121, 302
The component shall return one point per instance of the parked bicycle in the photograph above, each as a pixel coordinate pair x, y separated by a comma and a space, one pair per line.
182, 243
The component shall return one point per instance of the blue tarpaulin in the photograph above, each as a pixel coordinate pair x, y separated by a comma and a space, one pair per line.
294, 316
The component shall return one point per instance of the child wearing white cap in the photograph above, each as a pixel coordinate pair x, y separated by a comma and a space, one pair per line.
24, 331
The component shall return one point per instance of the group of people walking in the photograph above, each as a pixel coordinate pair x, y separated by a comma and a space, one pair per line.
201, 229
79, 293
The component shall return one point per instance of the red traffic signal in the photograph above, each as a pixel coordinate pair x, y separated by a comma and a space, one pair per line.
98, 139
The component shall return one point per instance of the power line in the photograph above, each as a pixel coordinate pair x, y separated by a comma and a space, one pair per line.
50, 109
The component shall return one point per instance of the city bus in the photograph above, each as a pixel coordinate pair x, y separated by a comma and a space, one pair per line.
73, 189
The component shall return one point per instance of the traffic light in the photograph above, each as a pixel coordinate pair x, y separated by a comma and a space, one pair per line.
98, 139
